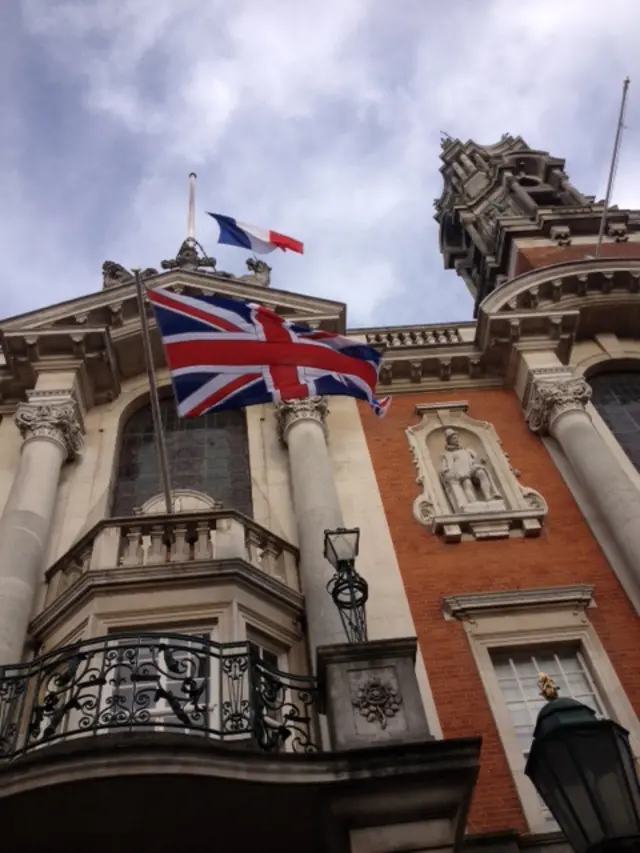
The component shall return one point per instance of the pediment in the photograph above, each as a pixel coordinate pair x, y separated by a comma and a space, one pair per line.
100, 336
118, 304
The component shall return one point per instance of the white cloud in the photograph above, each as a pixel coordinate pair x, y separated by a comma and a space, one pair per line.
320, 119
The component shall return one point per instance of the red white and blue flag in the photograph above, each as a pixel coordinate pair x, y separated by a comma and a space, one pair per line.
234, 233
226, 354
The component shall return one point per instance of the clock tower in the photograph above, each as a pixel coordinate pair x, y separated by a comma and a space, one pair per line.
506, 209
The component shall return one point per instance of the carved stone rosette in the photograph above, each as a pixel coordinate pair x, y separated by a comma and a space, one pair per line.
377, 700
550, 399
290, 412
56, 421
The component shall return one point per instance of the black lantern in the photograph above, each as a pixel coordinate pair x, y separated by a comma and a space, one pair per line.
583, 768
348, 590
341, 546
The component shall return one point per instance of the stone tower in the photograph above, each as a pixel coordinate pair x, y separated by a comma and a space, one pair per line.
507, 208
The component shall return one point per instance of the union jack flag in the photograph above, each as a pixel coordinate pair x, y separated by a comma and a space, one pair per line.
226, 354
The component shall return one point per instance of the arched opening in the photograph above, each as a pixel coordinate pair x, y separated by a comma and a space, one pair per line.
616, 397
208, 454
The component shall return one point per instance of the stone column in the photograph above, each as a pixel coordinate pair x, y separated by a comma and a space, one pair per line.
52, 433
558, 408
302, 429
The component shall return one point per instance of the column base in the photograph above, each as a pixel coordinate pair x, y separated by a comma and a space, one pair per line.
371, 693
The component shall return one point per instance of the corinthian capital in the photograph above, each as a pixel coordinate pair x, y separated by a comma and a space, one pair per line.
290, 412
58, 422
551, 399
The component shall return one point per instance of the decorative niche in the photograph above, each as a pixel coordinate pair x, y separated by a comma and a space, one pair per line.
469, 488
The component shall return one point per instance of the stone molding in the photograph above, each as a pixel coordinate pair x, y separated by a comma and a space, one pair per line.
475, 604
569, 281
371, 693
290, 412
57, 421
500, 508
550, 399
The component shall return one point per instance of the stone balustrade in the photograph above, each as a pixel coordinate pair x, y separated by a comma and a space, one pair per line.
420, 336
152, 540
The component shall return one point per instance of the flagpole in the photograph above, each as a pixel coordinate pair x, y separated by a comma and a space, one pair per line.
153, 390
614, 163
191, 221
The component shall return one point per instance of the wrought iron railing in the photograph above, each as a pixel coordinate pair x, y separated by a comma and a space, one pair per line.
153, 682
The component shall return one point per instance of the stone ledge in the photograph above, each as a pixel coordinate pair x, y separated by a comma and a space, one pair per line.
489, 525
473, 604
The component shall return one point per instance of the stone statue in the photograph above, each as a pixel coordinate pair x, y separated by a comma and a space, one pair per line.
189, 258
114, 274
260, 272
466, 478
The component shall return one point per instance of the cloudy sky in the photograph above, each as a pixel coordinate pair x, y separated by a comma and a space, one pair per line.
317, 118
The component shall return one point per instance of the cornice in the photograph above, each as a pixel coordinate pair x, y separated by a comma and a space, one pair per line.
86, 351
555, 283
473, 605
77, 312
97, 582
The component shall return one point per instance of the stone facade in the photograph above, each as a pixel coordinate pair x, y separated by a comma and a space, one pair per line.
498, 514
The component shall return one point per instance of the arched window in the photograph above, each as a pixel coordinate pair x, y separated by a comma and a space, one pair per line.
209, 454
616, 397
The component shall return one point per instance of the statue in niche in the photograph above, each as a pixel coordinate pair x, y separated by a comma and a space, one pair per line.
466, 478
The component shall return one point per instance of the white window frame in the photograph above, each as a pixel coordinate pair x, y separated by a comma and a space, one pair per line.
534, 618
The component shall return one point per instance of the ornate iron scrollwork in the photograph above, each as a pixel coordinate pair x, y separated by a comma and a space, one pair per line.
158, 683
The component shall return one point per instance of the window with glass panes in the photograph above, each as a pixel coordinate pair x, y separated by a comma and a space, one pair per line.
616, 396
209, 454
155, 668
274, 693
517, 672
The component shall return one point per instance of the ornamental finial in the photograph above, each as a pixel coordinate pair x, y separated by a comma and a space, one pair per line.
548, 687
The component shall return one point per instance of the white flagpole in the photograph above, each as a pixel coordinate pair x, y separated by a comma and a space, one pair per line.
614, 164
191, 223
153, 390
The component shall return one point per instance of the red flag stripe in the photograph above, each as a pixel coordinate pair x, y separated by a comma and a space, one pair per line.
165, 300
221, 393
283, 242
210, 353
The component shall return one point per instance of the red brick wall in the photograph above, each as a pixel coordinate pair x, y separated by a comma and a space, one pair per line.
566, 553
532, 257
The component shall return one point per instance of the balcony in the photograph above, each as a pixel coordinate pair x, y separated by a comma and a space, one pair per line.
151, 683
187, 538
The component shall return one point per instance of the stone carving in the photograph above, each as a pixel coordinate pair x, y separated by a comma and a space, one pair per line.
260, 272
561, 234
289, 412
550, 399
618, 230
189, 258
470, 489
377, 700
56, 421
466, 477
113, 275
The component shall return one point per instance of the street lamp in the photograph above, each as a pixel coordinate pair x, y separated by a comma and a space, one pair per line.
348, 590
584, 770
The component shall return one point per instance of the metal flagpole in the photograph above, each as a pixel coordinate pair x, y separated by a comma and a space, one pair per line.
614, 163
153, 388
191, 224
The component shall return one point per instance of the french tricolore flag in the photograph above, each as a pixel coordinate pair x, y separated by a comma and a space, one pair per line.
235, 233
